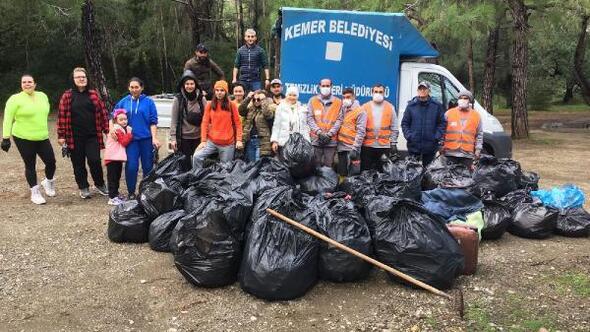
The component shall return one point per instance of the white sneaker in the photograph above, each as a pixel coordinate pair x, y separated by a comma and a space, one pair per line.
36, 196
49, 187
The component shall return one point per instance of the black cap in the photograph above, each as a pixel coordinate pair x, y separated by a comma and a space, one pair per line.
201, 48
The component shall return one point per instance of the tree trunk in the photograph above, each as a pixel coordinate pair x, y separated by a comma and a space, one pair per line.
583, 81
490, 70
165, 52
470, 65
520, 125
569, 91
113, 56
92, 50
193, 14
255, 17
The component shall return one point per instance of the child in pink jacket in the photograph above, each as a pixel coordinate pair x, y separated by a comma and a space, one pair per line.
115, 155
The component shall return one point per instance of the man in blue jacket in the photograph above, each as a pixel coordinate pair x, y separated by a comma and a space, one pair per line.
424, 125
250, 59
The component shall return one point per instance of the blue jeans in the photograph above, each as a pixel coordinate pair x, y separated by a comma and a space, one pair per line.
136, 150
226, 153
253, 149
251, 86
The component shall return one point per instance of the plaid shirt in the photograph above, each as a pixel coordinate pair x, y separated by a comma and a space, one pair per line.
64, 118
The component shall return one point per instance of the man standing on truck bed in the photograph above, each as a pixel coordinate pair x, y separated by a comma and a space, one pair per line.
201, 66
250, 59
423, 125
382, 130
324, 119
464, 134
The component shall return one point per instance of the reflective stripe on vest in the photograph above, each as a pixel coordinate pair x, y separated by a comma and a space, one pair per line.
459, 137
347, 132
383, 136
325, 119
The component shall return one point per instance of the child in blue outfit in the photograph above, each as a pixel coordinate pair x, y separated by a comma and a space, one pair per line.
143, 118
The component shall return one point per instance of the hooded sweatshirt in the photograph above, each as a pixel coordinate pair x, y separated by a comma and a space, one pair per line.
141, 113
181, 106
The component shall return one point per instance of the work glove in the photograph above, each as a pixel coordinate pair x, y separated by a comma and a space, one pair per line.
324, 139
5, 144
65, 152
393, 151
355, 155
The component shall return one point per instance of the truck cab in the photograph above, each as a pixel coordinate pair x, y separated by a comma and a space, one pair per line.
445, 88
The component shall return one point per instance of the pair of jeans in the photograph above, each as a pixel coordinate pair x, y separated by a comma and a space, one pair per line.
251, 86
253, 149
28, 151
136, 150
87, 150
226, 153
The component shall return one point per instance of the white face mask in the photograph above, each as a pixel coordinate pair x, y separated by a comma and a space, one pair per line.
325, 91
463, 103
377, 97
347, 102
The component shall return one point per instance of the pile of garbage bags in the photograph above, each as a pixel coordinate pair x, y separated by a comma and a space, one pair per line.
214, 219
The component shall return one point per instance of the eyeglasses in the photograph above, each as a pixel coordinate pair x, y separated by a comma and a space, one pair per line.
258, 99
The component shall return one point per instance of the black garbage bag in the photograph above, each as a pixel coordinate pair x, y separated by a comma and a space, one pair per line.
298, 154
157, 197
280, 262
573, 223
442, 173
410, 239
360, 187
324, 180
498, 176
533, 220
171, 166
208, 248
497, 217
400, 178
272, 174
514, 198
340, 221
529, 181
128, 222
161, 229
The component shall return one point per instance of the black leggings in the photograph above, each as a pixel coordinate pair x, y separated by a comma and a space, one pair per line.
188, 147
114, 170
87, 150
28, 151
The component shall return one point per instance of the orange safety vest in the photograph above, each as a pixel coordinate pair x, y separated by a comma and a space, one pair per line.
347, 132
383, 136
325, 120
459, 136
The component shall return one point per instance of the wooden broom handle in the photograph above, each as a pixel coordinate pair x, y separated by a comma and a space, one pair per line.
359, 255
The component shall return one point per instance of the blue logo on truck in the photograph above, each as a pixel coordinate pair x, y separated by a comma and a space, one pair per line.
354, 49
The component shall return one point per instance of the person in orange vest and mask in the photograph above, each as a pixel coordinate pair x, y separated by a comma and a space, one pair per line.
464, 134
382, 130
351, 134
324, 119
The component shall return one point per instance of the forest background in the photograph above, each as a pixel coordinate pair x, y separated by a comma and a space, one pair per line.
513, 54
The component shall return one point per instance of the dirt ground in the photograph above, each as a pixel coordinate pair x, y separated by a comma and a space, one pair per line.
59, 272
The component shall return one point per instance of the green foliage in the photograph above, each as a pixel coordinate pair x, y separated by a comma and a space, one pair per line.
44, 38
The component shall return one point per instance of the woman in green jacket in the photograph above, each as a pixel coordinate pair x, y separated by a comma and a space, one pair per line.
25, 119
258, 118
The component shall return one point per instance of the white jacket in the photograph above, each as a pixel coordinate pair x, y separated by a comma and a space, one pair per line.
284, 118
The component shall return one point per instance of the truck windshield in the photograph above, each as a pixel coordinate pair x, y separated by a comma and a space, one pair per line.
435, 85
441, 88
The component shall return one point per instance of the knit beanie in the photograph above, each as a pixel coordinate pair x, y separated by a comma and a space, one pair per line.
467, 94
292, 90
221, 85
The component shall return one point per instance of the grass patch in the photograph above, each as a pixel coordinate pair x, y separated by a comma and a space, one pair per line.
521, 318
578, 283
552, 108
543, 140
478, 316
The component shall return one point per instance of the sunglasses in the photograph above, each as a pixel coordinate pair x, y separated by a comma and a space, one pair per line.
258, 99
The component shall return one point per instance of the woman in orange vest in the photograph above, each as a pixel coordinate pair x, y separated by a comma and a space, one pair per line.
464, 134
324, 120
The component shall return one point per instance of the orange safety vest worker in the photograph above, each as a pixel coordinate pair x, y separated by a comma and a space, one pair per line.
347, 132
380, 138
325, 120
461, 130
